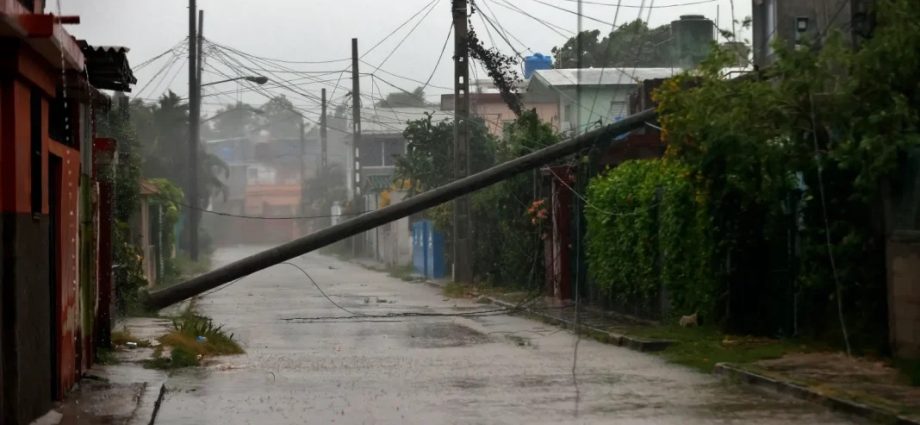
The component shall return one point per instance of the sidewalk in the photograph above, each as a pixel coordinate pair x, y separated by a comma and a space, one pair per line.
122, 391
857, 386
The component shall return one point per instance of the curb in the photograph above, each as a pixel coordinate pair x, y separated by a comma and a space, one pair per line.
148, 406
157, 403
633, 343
873, 413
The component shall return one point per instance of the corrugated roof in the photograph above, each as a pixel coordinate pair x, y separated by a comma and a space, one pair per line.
108, 67
601, 76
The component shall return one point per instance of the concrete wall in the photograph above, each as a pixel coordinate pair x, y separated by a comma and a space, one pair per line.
586, 107
821, 14
903, 257
27, 361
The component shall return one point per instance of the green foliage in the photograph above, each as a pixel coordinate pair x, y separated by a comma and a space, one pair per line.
415, 98
643, 220
633, 45
507, 250
703, 347
169, 198
764, 147
429, 152
125, 178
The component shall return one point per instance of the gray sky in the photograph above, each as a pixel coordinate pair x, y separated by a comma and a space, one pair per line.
316, 30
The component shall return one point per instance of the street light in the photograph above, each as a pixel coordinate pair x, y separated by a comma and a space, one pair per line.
258, 79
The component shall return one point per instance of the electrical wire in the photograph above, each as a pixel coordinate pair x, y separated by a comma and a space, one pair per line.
398, 45
450, 30
256, 217
631, 6
827, 227
398, 28
549, 25
318, 288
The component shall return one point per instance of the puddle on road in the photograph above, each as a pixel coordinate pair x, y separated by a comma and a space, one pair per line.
443, 335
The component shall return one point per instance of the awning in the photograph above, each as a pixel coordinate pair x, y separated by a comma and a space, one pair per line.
107, 67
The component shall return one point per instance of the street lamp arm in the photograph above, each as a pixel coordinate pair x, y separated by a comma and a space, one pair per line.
258, 79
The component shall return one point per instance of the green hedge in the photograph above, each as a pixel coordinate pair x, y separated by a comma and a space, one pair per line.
648, 230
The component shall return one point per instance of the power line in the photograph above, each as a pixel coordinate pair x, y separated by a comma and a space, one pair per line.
256, 217
403, 77
398, 45
398, 28
450, 30
495, 21
549, 25
283, 60
632, 6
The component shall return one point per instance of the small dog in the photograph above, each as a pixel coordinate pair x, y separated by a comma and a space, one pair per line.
690, 321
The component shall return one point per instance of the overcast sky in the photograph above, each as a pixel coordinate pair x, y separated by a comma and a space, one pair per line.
317, 30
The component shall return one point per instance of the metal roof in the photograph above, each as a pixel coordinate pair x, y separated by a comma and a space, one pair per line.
108, 67
600, 76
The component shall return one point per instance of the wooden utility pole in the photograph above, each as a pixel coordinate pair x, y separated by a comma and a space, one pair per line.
324, 161
194, 90
462, 241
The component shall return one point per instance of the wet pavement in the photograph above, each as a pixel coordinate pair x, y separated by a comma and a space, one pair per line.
305, 363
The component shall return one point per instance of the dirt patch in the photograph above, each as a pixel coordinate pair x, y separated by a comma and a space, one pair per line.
441, 335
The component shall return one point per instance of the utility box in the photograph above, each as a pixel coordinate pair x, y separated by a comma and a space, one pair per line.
427, 250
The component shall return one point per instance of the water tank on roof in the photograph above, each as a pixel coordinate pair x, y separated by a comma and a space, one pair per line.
535, 63
692, 37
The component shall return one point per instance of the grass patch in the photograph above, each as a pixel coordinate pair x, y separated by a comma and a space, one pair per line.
702, 347
124, 336
910, 369
456, 290
193, 338
406, 273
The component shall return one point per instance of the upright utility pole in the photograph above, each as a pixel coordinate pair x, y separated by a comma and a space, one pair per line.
462, 252
194, 90
303, 169
324, 161
356, 117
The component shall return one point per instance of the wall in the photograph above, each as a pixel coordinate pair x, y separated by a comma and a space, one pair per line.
597, 104
820, 13
903, 256
41, 339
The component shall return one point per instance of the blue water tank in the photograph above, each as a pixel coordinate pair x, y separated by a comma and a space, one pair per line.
535, 63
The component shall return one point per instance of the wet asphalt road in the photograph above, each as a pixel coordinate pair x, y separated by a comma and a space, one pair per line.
494, 369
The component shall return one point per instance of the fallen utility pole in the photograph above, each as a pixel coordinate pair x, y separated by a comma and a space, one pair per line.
246, 266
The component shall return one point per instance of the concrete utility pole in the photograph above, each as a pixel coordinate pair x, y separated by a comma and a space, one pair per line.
194, 90
324, 161
242, 268
356, 137
462, 240
356, 116
303, 169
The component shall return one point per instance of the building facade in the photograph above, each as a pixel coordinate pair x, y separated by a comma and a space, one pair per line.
796, 22
51, 300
